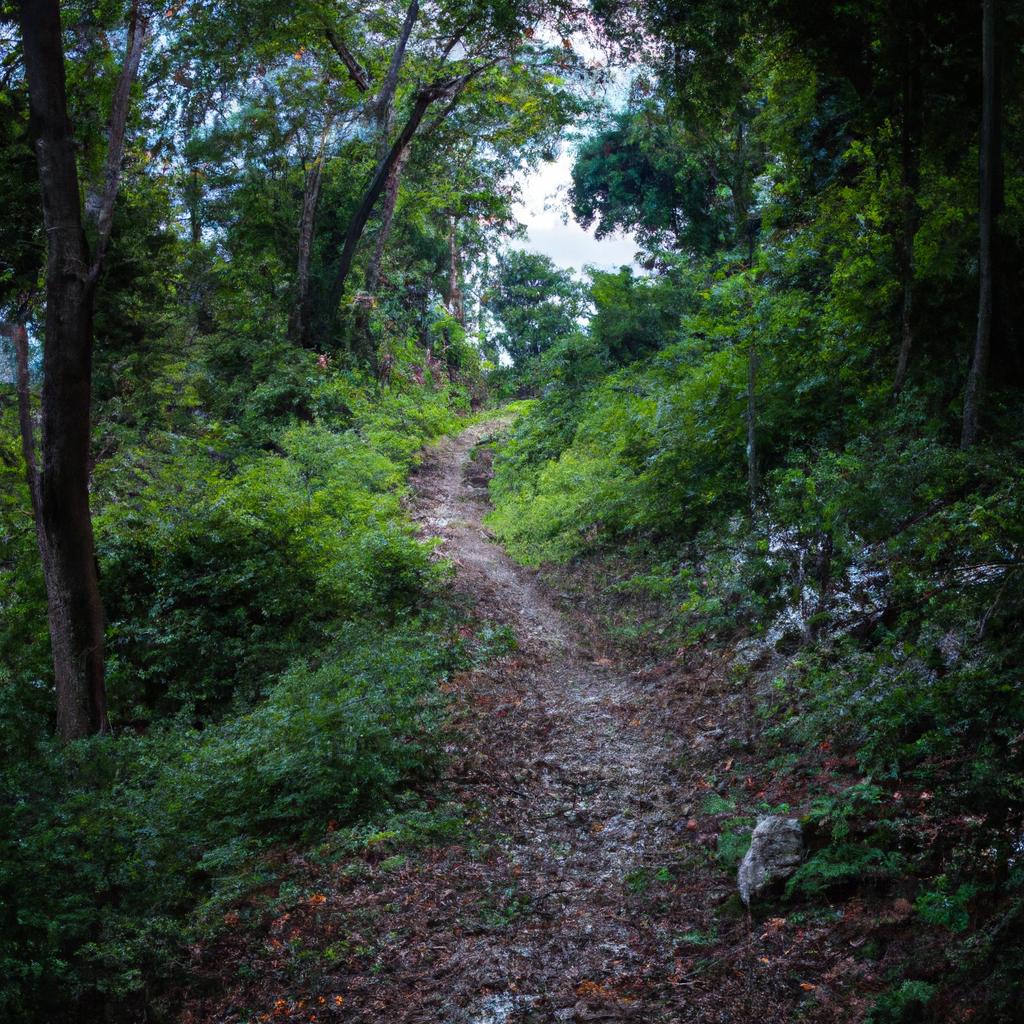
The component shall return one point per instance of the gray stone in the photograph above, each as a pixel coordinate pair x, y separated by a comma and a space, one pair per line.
775, 850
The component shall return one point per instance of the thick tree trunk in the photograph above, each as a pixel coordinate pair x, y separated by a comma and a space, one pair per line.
910, 160
64, 522
989, 174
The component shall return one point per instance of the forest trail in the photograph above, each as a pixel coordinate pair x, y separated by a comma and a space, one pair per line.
581, 880
576, 770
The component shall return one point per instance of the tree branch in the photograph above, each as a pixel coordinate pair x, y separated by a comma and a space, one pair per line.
356, 71
386, 94
138, 28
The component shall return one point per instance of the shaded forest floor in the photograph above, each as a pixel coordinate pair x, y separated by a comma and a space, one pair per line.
588, 874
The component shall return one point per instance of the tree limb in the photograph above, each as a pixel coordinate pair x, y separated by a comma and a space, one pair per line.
356, 71
138, 28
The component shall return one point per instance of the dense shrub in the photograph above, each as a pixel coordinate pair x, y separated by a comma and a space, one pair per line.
275, 646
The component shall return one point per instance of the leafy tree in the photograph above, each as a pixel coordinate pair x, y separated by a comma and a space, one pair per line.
536, 304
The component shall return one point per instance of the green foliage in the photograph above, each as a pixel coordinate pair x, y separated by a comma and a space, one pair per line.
536, 305
275, 644
903, 1004
940, 906
112, 848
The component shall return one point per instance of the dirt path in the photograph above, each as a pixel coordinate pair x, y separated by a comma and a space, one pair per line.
583, 882
588, 800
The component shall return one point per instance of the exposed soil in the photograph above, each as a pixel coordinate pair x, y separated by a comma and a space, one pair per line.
586, 886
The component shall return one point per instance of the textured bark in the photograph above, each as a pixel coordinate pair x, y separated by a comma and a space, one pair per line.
989, 176
298, 327
64, 522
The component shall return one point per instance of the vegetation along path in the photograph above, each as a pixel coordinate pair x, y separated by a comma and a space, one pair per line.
585, 884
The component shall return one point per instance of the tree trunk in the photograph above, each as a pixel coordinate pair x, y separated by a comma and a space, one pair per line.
910, 164
989, 157
387, 216
357, 225
383, 102
373, 272
454, 301
753, 473
298, 328
64, 522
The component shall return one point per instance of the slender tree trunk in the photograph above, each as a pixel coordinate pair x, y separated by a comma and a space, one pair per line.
455, 304
298, 328
387, 216
65, 524
383, 103
355, 69
373, 272
910, 164
989, 156
753, 472
357, 225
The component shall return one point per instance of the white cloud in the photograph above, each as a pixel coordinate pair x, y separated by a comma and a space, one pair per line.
543, 205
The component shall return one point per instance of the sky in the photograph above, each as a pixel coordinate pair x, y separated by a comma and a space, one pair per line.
545, 205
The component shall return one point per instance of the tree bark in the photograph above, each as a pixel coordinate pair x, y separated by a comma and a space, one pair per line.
383, 103
355, 69
910, 167
387, 216
137, 29
357, 225
454, 299
298, 328
67, 548
988, 174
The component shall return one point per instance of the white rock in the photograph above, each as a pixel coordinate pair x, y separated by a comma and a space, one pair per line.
775, 850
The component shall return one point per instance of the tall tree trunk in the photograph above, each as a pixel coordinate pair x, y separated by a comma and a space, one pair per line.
387, 216
66, 538
910, 168
357, 225
373, 271
383, 102
298, 327
989, 175
454, 300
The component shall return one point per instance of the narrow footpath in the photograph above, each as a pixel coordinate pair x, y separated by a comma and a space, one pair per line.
586, 882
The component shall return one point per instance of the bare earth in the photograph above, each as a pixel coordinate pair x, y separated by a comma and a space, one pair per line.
586, 888
587, 791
